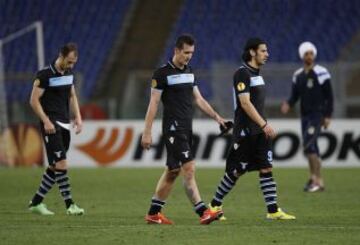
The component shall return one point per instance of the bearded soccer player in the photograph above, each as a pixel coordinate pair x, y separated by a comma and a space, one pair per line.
251, 149
312, 85
52, 96
175, 85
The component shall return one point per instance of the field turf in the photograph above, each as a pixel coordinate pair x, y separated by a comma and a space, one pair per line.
117, 199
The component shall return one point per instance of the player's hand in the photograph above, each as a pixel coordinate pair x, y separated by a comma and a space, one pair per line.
146, 140
49, 127
220, 120
229, 125
326, 122
78, 125
285, 107
269, 131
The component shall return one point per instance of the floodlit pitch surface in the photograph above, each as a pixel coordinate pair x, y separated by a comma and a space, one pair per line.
116, 201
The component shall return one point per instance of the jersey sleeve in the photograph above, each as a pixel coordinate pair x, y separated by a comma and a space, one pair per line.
41, 80
323, 75
294, 96
75, 80
158, 81
329, 98
196, 82
241, 82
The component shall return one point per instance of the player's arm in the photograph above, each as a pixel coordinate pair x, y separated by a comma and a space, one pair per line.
254, 115
242, 90
206, 107
35, 104
74, 105
294, 97
329, 102
149, 118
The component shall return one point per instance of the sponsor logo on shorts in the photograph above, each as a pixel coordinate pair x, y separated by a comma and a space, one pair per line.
243, 165
186, 154
58, 153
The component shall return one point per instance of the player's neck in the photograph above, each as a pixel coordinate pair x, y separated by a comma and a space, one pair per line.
253, 64
308, 67
177, 64
58, 66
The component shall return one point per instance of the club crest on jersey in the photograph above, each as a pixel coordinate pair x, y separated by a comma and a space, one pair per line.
153, 83
171, 139
36, 83
310, 83
311, 130
236, 146
241, 86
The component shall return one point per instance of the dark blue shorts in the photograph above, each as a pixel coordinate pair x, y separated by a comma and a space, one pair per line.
57, 144
311, 128
179, 148
250, 153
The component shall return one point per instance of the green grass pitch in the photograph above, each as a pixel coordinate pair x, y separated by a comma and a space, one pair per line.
117, 199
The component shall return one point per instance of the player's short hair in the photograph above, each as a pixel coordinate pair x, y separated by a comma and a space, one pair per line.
184, 39
68, 48
251, 44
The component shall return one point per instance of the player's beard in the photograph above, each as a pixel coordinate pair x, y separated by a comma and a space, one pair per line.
261, 62
309, 62
186, 61
65, 68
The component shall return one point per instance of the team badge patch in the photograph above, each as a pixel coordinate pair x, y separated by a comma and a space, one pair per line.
153, 83
36, 83
310, 83
241, 86
311, 130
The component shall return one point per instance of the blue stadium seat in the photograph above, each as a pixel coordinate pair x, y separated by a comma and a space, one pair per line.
222, 27
90, 23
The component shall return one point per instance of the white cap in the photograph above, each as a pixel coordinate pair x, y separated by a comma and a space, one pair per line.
306, 47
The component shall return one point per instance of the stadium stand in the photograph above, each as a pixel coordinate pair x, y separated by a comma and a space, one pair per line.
329, 23
222, 27
92, 25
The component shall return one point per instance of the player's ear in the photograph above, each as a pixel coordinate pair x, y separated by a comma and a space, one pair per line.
61, 56
176, 50
252, 53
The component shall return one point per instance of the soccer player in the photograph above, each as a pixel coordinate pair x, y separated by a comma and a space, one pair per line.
175, 85
52, 96
311, 84
252, 135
